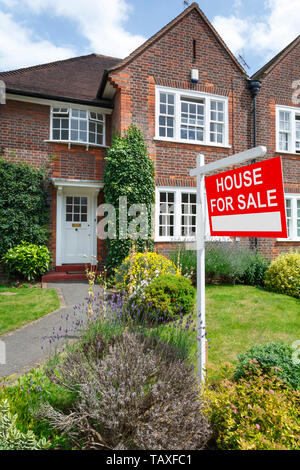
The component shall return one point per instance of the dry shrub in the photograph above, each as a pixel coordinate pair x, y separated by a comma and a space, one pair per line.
134, 393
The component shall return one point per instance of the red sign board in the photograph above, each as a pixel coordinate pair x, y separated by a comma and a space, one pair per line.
248, 201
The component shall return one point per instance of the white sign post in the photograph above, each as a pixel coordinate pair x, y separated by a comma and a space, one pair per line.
200, 173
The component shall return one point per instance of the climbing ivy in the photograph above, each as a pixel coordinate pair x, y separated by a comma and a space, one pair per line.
129, 172
24, 211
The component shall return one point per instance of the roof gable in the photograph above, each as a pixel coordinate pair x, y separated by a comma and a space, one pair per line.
269, 66
165, 29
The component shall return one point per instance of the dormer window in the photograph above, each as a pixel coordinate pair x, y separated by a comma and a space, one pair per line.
73, 125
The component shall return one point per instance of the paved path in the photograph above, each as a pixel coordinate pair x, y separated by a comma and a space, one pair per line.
29, 346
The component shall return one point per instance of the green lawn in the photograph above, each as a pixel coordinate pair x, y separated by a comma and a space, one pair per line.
27, 305
238, 317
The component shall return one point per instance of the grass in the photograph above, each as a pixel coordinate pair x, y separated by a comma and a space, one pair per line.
28, 304
238, 317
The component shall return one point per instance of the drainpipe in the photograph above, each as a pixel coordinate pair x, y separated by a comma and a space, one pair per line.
254, 86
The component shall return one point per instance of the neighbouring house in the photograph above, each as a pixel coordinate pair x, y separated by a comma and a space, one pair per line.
187, 93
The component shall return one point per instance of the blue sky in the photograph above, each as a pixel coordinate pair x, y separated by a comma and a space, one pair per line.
39, 31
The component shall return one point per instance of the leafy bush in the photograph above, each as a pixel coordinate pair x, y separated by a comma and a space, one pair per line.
139, 269
283, 276
186, 261
258, 413
224, 262
129, 172
255, 272
24, 210
11, 438
24, 397
27, 260
168, 296
133, 393
276, 357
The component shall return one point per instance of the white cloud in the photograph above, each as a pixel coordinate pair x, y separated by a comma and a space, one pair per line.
101, 22
265, 36
233, 30
21, 48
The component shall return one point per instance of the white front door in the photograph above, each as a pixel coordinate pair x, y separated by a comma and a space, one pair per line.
77, 228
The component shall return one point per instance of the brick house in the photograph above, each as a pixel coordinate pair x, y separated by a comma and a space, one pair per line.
187, 93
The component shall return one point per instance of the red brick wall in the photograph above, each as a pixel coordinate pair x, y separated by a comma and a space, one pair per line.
24, 127
168, 62
277, 90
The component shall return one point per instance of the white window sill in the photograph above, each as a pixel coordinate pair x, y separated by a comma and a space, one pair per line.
192, 240
174, 239
70, 142
181, 141
288, 240
288, 153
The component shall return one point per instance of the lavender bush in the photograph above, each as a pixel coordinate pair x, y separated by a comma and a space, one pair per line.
133, 392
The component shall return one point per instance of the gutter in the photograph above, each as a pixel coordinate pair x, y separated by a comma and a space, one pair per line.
254, 86
99, 103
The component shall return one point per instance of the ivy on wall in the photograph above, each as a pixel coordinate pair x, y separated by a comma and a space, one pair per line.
24, 210
129, 172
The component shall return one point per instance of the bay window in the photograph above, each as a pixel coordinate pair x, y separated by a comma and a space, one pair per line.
288, 129
191, 117
77, 126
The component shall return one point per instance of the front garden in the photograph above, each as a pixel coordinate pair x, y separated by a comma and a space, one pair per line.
22, 304
129, 382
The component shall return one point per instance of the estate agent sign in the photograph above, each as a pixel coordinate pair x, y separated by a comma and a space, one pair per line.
248, 201
245, 202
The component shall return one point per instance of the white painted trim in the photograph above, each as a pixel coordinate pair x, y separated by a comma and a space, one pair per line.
177, 119
63, 188
292, 133
294, 197
73, 183
177, 217
69, 141
57, 104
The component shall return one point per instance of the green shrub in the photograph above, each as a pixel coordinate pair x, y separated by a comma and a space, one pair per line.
255, 414
24, 210
255, 272
139, 269
283, 276
276, 357
169, 296
27, 260
186, 261
225, 261
10, 436
129, 172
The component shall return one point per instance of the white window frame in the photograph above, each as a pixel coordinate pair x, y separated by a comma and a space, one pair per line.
177, 217
177, 116
293, 236
69, 141
292, 137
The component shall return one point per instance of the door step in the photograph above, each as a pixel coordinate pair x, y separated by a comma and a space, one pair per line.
72, 268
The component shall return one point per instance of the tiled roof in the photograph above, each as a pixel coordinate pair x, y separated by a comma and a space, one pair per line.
75, 79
